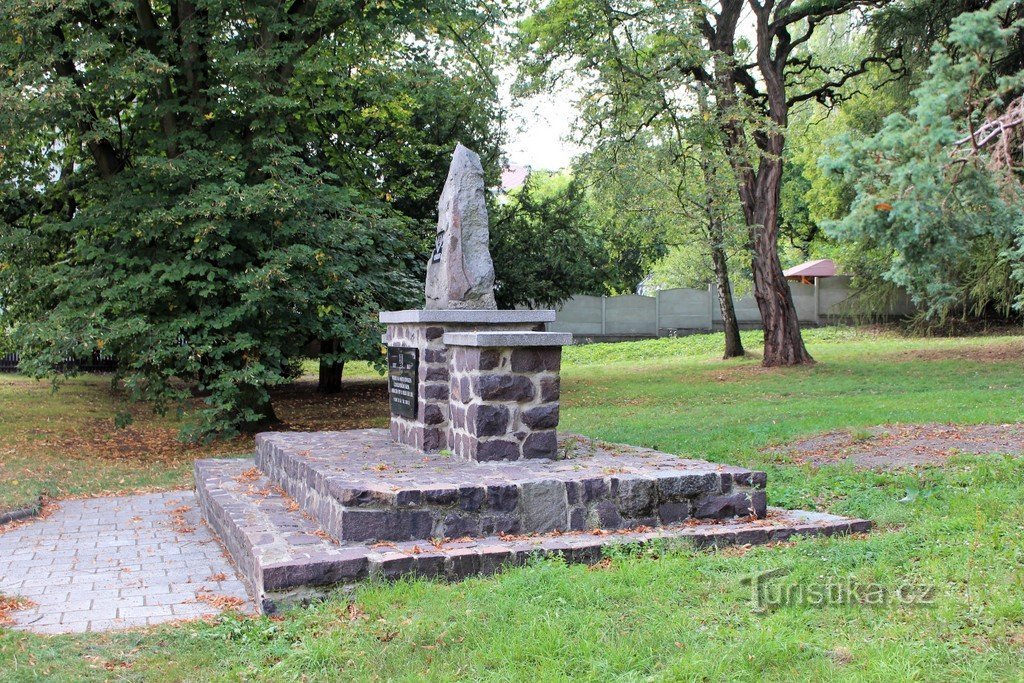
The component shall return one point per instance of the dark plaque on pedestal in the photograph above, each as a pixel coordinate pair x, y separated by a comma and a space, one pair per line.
403, 380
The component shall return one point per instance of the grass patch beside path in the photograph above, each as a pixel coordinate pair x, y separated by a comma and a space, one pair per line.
65, 444
674, 394
675, 615
354, 370
682, 614
681, 398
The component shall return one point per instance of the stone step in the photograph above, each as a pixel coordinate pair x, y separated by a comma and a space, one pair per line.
364, 487
280, 551
286, 558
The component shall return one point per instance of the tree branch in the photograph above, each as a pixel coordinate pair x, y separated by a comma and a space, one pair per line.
817, 11
108, 161
149, 31
828, 92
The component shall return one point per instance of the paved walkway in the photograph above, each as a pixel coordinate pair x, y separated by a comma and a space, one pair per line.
109, 563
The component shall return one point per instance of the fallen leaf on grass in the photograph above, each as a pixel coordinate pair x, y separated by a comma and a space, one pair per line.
110, 665
354, 612
841, 655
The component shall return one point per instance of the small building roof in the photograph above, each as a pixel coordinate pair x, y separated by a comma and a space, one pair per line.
823, 267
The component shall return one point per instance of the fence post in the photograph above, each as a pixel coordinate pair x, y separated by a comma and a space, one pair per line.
657, 314
604, 314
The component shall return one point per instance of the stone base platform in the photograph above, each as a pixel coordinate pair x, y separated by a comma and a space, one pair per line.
361, 486
285, 557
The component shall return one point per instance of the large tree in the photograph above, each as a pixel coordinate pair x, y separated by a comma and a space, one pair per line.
637, 61
193, 185
388, 121
546, 243
812, 197
676, 177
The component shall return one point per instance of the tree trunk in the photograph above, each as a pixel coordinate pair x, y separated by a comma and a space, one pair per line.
330, 371
783, 344
716, 242
256, 400
759, 190
733, 344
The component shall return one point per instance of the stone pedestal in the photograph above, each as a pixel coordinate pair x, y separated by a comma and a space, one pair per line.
504, 390
424, 331
321, 509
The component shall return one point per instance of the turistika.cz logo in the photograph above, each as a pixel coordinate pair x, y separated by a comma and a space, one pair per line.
766, 593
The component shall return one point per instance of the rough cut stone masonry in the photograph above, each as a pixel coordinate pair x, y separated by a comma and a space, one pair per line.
362, 487
332, 508
291, 559
429, 431
504, 402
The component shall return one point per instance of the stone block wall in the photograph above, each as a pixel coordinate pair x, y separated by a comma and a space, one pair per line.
430, 430
503, 402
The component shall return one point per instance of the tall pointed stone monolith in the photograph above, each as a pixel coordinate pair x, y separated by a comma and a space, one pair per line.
460, 273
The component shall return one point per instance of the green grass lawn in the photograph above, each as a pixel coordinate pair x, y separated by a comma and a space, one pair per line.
65, 444
353, 370
666, 614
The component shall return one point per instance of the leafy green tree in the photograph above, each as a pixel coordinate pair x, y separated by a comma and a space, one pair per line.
811, 197
914, 27
637, 62
388, 124
939, 188
180, 189
634, 240
677, 182
545, 244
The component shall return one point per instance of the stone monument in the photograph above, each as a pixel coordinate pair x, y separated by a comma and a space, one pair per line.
460, 273
472, 475
462, 375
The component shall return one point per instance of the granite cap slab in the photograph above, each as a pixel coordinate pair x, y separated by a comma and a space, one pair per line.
507, 339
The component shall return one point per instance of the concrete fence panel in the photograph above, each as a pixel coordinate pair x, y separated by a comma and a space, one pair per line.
684, 309
804, 300
581, 315
834, 295
695, 310
837, 298
746, 310
630, 314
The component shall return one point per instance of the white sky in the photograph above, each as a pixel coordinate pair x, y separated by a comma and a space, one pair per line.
539, 128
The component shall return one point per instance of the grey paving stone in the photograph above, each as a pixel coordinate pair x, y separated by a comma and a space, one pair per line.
114, 563
191, 610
